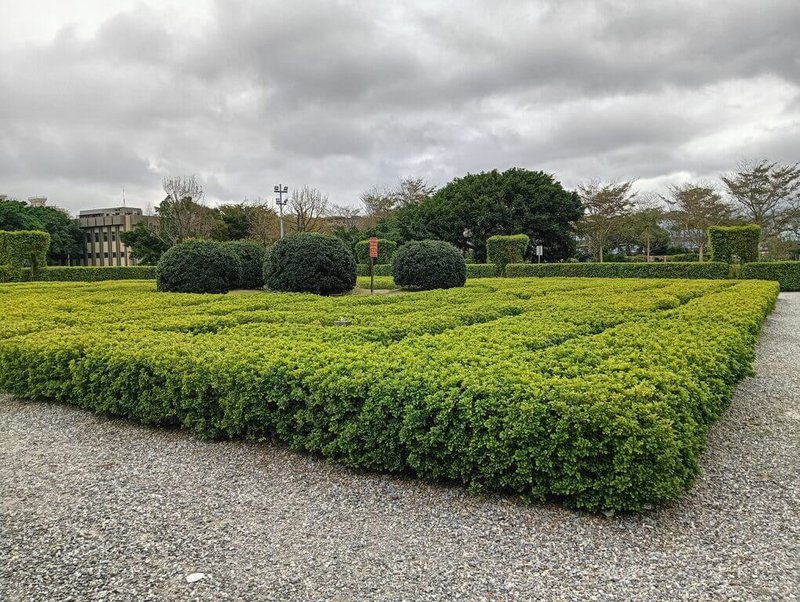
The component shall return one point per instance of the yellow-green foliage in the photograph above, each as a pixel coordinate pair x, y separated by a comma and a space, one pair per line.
597, 392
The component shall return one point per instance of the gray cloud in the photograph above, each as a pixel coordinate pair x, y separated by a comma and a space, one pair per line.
346, 94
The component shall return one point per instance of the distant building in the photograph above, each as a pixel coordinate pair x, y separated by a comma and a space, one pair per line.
103, 245
37, 201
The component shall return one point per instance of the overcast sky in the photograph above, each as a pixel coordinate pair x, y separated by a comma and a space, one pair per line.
100, 94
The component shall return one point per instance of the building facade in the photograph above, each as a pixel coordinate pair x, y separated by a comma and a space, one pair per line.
101, 228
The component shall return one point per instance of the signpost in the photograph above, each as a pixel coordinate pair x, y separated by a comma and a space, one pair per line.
373, 254
539, 253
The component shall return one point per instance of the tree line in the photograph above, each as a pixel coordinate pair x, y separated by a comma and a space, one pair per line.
600, 221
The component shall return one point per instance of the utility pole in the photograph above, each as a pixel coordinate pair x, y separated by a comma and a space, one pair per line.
280, 190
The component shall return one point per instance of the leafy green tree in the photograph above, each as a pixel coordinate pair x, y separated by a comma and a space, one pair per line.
144, 243
235, 224
468, 210
694, 208
643, 229
66, 237
605, 208
767, 194
16, 215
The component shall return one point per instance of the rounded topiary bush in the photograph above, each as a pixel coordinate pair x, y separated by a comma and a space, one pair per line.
429, 264
251, 254
308, 262
198, 266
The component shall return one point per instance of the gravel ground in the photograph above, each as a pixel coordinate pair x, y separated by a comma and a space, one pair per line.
94, 508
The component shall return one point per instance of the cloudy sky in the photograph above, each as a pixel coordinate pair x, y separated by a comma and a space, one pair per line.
344, 95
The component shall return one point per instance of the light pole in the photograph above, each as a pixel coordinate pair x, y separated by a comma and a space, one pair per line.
280, 191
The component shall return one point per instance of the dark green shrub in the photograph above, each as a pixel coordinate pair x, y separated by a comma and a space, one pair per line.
251, 254
786, 273
386, 249
381, 269
482, 270
707, 269
198, 266
308, 262
429, 264
502, 250
734, 244
24, 248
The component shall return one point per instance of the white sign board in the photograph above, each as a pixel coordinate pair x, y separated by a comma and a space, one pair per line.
539, 250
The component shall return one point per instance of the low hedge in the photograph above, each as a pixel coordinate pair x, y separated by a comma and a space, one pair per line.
708, 269
786, 273
97, 273
381, 269
78, 273
12, 273
596, 394
482, 270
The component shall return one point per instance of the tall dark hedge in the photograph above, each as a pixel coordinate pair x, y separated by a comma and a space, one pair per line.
386, 250
24, 248
198, 266
251, 254
502, 250
429, 264
468, 210
308, 262
734, 243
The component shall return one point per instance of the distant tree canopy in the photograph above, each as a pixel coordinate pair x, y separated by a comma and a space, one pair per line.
468, 210
65, 235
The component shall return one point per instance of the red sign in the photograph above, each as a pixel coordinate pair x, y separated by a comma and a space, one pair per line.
373, 247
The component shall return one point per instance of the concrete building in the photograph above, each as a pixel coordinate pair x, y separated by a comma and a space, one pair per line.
37, 201
101, 230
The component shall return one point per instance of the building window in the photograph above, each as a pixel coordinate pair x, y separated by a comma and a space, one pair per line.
105, 235
113, 236
105, 255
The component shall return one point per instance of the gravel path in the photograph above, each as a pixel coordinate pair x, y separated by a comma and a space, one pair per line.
93, 508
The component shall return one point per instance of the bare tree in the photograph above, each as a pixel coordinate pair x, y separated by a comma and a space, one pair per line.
306, 208
378, 204
411, 191
605, 206
262, 221
182, 212
767, 194
345, 217
694, 208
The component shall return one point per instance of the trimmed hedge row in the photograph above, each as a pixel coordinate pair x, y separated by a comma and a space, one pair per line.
482, 270
79, 273
786, 273
381, 269
598, 394
708, 269
97, 273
